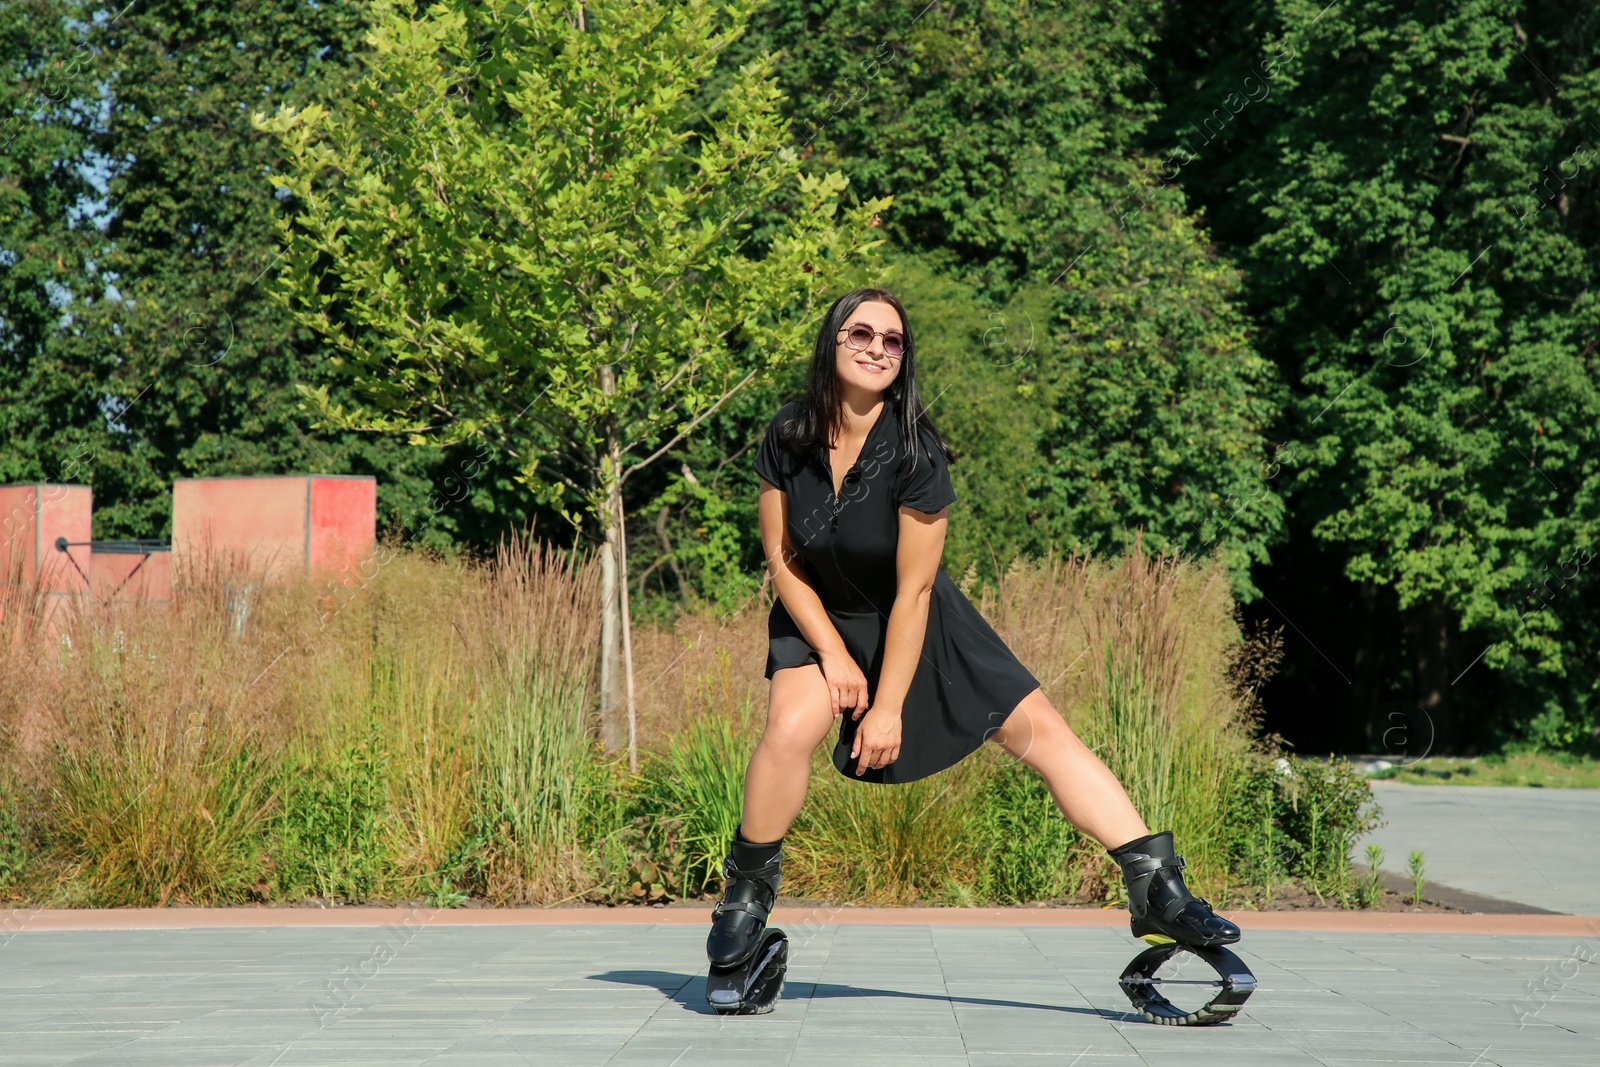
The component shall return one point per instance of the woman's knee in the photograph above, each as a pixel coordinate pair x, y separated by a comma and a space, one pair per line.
1033, 727
799, 715
789, 746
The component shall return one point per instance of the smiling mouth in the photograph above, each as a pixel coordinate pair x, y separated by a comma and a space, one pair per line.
873, 367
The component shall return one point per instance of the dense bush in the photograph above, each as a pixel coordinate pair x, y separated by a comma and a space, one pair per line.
327, 837
1293, 817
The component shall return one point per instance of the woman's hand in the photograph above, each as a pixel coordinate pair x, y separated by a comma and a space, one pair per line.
847, 686
878, 738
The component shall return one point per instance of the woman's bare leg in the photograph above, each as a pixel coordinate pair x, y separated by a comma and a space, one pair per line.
1088, 794
799, 717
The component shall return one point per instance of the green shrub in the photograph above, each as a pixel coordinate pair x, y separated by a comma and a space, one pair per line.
697, 786
643, 860
1026, 845
1253, 840
1295, 817
13, 842
328, 840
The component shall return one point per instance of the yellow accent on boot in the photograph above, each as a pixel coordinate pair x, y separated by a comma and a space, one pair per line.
1158, 939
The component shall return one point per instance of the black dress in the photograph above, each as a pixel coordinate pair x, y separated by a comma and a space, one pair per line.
967, 681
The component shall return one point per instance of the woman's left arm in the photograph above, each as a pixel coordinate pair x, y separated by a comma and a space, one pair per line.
921, 544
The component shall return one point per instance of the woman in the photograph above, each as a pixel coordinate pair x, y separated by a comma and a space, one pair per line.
855, 486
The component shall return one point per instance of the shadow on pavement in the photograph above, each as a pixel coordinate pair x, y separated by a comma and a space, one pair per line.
688, 990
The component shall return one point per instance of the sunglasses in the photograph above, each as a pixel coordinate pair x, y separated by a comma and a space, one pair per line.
859, 335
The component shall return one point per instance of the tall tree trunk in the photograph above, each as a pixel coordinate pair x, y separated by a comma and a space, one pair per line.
1431, 634
616, 636
613, 733
627, 631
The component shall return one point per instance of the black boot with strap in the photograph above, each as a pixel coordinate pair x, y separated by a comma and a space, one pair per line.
753, 872
1162, 908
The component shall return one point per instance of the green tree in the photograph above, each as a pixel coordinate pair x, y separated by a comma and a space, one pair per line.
1159, 400
1001, 129
1053, 253
980, 366
508, 232
141, 345
1414, 206
51, 425
205, 364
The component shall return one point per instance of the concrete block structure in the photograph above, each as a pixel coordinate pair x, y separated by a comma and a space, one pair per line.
274, 528
140, 570
34, 518
283, 527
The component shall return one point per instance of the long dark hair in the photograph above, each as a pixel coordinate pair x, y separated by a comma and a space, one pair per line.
819, 415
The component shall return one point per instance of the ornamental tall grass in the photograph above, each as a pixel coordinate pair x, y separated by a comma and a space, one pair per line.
422, 732
148, 736
427, 732
888, 845
1173, 737
532, 633
698, 780
1134, 653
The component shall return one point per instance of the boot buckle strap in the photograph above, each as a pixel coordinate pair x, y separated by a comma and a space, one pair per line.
749, 907
1152, 864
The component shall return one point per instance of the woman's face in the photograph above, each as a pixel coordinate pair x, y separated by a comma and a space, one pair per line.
870, 369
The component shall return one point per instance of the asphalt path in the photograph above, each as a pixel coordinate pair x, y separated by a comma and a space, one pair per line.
1518, 843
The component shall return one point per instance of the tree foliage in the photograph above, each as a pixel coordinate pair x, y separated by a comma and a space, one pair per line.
50, 424
507, 207
1051, 254
1414, 208
142, 347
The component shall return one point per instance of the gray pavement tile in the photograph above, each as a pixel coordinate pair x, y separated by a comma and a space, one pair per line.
164, 1058
873, 1057
1459, 1059
1528, 1058
683, 1055
1231, 1058
1053, 1059
571, 997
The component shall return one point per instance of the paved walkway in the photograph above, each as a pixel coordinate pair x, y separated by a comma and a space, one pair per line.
1534, 846
590, 995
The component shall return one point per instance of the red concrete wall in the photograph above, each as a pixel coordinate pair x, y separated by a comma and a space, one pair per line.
18, 536
280, 527
31, 518
344, 522
133, 575
34, 516
249, 524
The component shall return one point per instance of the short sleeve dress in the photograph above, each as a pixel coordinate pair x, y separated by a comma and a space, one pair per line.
967, 681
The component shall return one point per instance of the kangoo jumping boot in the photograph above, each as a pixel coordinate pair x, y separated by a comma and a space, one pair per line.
753, 872
748, 960
1163, 910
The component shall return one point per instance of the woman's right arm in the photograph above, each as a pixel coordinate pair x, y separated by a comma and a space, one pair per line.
847, 686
